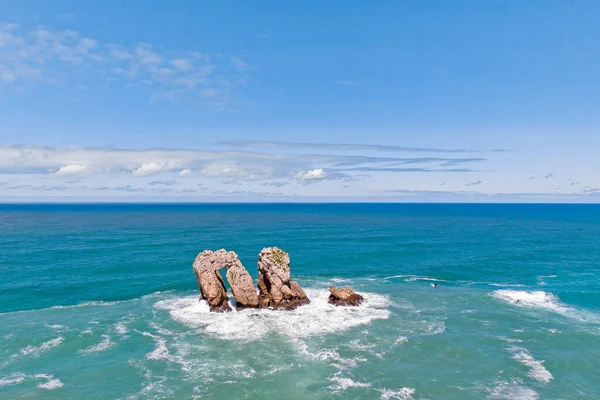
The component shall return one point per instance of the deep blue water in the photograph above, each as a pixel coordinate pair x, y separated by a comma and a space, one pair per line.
101, 293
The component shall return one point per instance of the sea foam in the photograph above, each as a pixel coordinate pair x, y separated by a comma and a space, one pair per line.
318, 317
104, 344
537, 370
12, 379
49, 381
404, 393
36, 350
342, 383
512, 391
543, 301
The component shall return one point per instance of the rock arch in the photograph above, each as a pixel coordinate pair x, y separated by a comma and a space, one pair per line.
276, 290
212, 287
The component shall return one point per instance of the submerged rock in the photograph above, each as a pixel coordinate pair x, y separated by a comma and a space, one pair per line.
276, 290
344, 297
212, 286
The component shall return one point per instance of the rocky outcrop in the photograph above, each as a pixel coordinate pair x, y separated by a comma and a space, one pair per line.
242, 285
344, 297
276, 290
212, 287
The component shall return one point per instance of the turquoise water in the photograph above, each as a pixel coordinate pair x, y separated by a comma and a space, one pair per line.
100, 302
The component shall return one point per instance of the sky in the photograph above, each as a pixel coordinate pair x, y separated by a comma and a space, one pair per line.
382, 100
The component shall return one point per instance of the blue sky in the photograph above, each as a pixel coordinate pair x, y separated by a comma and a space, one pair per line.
307, 100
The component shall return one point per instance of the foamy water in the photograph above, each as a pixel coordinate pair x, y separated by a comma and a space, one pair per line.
104, 344
36, 350
43, 381
512, 390
537, 370
544, 301
318, 317
113, 311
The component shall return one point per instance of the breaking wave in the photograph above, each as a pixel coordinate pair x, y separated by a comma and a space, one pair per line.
318, 317
36, 350
537, 370
341, 383
104, 344
543, 301
45, 381
405, 393
412, 278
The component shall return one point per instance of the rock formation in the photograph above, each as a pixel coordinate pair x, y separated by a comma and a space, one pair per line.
212, 286
344, 297
242, 285
276, 289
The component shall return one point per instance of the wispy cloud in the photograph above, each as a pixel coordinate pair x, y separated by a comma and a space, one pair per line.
434, 193
231, 165
474, 183
415, 169
170, 182
48, 56
345, 146
245, 193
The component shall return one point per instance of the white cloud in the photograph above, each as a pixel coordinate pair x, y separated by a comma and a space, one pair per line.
241, 65
185, 172
182, 64
149, 169
230, 164
71, 170
44, 55
232, 172
311, 175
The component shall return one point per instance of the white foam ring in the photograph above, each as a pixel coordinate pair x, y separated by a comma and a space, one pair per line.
543, 301
536, 368
318, 317
36, 350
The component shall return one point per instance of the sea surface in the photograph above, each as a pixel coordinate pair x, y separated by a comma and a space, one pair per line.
100, 302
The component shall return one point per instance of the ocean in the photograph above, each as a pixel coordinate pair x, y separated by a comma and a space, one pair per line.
100, 302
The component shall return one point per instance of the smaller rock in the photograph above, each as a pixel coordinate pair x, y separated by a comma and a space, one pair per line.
344, 297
